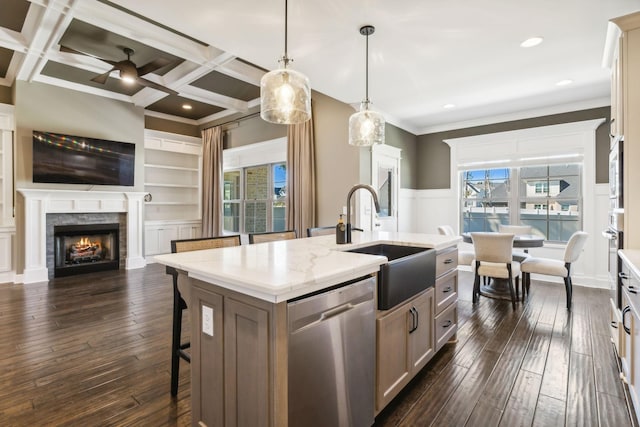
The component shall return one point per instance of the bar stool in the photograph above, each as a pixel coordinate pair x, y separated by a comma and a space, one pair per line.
180, 302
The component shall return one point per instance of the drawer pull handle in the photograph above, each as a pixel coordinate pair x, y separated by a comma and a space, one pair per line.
448, 261
447, 290
626, 310
623, 275
614, 324
447, 324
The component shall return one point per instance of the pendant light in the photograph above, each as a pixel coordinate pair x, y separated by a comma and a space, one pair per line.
366, 127
285, 95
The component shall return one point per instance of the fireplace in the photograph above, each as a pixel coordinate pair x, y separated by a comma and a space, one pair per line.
85, 248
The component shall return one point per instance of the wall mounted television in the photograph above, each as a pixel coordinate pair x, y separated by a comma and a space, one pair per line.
68, 159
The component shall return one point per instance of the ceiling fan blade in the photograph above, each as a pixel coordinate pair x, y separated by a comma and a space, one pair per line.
149, 83
77, 52
102, 78
153, 66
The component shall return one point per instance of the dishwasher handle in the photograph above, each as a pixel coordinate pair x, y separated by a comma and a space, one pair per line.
336, 311
301, 321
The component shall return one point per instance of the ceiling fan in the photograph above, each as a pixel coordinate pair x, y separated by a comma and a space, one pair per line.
129, 72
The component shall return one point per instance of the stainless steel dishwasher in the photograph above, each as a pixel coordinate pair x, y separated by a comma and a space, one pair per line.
332, 357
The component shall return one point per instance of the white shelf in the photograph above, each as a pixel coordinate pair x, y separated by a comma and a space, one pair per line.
157, 184
180, 168
171, 203
172, 174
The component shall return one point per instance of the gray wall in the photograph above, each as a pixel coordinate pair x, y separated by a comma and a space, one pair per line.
433, 157
53, 109
339, 166
156, 123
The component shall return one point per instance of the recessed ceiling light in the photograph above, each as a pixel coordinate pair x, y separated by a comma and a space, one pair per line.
533, 41
448, 106
564, 82
186, 106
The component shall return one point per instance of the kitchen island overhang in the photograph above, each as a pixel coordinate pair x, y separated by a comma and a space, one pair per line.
279, 271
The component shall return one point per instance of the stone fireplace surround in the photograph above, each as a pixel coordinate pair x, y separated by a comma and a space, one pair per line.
39, 203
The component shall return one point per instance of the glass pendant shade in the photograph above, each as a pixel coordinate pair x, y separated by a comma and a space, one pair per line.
285, 97
366, 127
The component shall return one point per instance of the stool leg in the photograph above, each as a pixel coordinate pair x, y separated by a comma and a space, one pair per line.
175, 341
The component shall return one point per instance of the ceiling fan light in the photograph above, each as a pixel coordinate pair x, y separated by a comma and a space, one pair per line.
127, 78
366, 127
285, 97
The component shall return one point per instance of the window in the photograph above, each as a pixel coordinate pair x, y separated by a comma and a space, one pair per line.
485, 199
549, 199
255, 199
554, 211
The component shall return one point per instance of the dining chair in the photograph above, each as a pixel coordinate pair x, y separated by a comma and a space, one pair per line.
517, 230
464, 257
181, 296
494, 259
272, 236
321, 231
555, 267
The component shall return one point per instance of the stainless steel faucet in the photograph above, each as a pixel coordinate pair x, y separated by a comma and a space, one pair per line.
375, 201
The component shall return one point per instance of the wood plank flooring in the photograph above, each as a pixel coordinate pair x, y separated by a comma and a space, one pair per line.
93, 350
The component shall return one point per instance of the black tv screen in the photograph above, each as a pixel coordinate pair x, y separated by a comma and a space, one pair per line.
67, 159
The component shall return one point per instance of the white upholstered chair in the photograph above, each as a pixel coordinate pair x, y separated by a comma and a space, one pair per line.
464, 257
517, 230
494, 259
555, 267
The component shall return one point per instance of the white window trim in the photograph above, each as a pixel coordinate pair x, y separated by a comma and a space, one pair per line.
257, 154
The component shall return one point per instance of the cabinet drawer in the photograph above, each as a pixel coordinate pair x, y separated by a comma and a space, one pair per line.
446, 260
446, 290
446, 325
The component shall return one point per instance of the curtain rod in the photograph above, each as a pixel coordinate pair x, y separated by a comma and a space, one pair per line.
239, 119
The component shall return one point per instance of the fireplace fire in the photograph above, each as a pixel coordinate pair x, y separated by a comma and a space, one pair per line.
85, 248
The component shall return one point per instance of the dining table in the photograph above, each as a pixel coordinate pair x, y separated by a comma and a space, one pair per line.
499, 288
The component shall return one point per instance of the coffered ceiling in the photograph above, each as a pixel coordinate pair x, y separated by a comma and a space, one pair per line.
423, 55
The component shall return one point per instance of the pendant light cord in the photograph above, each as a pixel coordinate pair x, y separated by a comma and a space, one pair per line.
285, 58
366, 88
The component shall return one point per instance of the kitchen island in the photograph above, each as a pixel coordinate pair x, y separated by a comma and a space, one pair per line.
238, 300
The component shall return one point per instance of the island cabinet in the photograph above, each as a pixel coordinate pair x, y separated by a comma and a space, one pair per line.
446, 296
238, 358
405, 343
629, 345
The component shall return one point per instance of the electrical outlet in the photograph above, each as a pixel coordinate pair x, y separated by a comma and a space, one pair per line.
207, 320
344, 210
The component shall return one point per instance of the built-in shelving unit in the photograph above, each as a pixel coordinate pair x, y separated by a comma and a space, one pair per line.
172, 178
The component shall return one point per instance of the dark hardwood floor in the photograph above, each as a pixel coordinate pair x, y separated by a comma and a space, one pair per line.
94, 350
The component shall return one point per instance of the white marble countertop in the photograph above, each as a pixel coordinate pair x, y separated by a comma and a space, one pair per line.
632, 258
279, 271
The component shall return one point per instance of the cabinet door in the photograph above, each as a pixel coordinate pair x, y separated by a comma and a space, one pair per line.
246, 352
421, 341
207, 368
158, 239
392, 349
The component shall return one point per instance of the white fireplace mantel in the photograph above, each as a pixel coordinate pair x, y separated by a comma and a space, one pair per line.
39, 203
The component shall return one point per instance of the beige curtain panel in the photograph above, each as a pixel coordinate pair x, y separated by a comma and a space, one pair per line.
301, 177
212, 145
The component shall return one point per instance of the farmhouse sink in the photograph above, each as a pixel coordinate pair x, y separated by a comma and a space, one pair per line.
410, 270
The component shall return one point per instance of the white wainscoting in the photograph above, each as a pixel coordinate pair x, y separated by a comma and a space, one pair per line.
422, 211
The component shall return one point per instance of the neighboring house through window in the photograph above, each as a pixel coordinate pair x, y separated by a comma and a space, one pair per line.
254, 193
